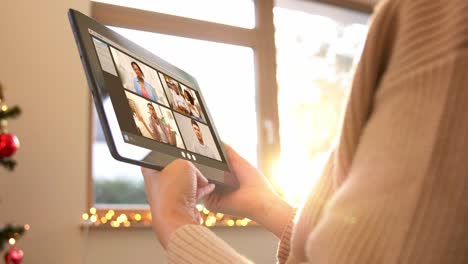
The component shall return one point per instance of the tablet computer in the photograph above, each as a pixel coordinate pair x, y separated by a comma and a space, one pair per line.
151, 111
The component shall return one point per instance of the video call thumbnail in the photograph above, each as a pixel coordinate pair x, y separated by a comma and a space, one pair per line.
197, 137
138, 78
193, 103
154, 121
181, 98
146, 89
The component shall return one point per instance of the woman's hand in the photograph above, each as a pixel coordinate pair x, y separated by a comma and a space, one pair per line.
173, 194
255, 198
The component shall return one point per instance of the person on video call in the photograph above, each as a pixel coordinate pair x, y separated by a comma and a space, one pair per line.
140, 123
199, 146
178, 103
395, 188
194, 112
141, 86
159, 131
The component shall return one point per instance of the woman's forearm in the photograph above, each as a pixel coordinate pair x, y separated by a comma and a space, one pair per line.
274, 214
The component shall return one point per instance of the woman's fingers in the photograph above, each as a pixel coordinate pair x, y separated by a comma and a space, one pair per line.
201, 180
204, 191
240, 167
149, 172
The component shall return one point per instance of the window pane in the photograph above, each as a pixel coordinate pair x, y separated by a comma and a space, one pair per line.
225, 74
317, 50
240, 13
114, 182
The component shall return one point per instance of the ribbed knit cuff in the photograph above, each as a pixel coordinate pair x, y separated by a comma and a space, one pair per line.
285, 240
197, 244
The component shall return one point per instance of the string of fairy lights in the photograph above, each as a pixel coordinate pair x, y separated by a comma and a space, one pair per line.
124, 219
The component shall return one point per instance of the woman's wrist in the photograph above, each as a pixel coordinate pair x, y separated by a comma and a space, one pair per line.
166, 223
273, 213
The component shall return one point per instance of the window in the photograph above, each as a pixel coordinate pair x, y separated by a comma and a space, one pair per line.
301, 84
318, 47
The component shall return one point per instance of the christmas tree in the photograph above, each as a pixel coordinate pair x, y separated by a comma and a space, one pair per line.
9, 143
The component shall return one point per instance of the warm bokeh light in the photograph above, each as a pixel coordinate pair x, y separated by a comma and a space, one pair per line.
85, 216
219, 216
93, 218
244, 222
138, 217
122, 218
210, 220
199, 207
12, 241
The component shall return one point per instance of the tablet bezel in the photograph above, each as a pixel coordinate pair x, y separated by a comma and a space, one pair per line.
83, 27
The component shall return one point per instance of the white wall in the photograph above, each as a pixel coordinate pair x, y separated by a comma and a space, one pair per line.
41, 71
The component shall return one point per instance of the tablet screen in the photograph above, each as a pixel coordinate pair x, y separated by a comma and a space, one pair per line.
154, 108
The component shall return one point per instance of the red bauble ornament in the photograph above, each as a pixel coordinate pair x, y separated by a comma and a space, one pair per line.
8, 145
14, 256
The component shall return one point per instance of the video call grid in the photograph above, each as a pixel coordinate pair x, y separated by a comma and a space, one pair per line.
193, 93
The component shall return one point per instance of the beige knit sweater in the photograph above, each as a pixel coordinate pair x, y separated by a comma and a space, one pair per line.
396, 188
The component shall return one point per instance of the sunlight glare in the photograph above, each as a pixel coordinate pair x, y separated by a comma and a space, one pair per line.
316, 55
295, 174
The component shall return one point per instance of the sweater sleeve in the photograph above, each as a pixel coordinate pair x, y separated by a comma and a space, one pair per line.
285, 240
196, 244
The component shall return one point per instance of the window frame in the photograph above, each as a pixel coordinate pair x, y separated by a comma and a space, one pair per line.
261, 39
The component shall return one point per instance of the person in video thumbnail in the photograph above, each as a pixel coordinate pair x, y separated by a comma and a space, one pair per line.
199, 145
191, 104
143, 129
141, 86
178, 103
160, 132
